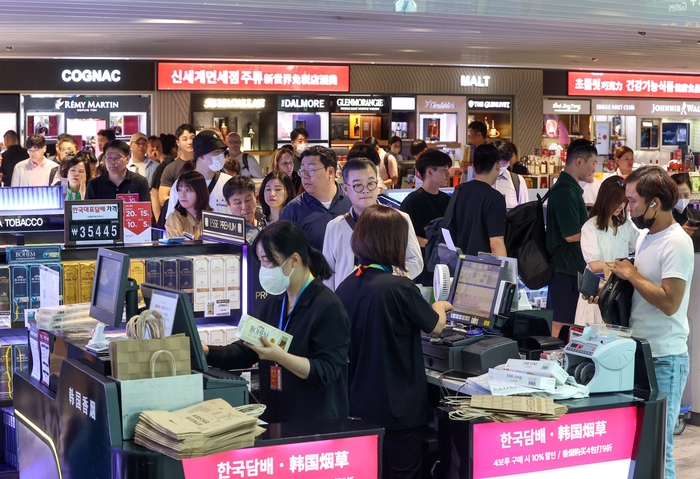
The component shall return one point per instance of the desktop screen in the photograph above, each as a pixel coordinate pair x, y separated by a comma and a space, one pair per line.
107, 284
476, 288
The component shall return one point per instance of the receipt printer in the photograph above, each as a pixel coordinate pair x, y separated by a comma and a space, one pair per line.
603, 362
477, 358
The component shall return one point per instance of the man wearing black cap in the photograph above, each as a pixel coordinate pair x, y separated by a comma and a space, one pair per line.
208, 160
117, 179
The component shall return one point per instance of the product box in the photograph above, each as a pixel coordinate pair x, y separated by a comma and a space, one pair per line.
203, 335
137, 272
34, 285
547, 369
200, 269
251, 330
154, 272
33, 254
20, 355
19, 277
58, 267
5, 293
522, 379
216, 334
87, 279
233, 280
71, 282
185, 277
169, 272
217, 278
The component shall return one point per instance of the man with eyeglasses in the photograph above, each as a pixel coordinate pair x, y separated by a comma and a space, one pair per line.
139, 162
118, 179
249, 165
322, 200
360, 184
566, 214
36, 170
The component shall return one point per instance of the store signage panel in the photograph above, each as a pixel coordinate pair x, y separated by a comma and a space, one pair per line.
234, 103
669, 108
94, 222
223, 226
593, 443
252, 77
403, 103
352, 457
607, 107
66, 75
633, 85
476, 81
566, 107
360, 104
503, 105
88, 104
297, 103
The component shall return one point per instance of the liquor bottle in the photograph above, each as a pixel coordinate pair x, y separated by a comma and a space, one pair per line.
356, 129
224, 129
543, 166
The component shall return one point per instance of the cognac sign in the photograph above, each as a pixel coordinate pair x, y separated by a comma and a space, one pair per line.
91, 76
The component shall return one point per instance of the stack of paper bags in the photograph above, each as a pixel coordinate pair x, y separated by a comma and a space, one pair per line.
206, 428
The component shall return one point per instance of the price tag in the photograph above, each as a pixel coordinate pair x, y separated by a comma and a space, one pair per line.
94, 222
45, 351
5, 319
34, 350
128, 197
217, 307
137, 222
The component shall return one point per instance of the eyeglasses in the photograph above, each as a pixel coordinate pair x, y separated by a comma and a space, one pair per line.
114, 159
359, 187
310, 172
67, 150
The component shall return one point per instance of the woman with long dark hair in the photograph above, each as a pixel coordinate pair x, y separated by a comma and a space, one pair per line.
192, 199
276, 191
309, 382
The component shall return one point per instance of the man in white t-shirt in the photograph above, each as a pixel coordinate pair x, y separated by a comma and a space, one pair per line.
511, 185
661, 275
208, 160
249, 165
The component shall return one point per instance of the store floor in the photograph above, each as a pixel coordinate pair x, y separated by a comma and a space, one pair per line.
687, 453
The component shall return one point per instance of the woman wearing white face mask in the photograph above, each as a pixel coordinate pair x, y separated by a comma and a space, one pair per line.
309, 382
209, 161
685, 215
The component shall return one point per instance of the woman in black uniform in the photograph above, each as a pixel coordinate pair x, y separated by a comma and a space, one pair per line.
388, 386
309, 382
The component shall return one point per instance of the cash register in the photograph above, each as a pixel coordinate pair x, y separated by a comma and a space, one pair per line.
482, 299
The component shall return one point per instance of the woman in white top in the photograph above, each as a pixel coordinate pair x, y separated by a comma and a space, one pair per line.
605, 237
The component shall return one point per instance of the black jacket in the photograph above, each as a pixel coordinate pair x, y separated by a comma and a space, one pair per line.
321, 332
682, 218
10, 158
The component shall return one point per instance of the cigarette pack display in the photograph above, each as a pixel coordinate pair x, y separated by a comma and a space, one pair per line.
57, 311
47, 318
200, 269
217, 335
87, 277
169, 272
20, 291
203, 335
5, 293
185, 277
34, 285
251, 330
233, 280
217, 278
154, 272
137, 272
20, 355
83, 323
547, 369
522, 379
58, 267
71, 283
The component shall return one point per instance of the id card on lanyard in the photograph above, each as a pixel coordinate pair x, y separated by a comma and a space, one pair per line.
275, 369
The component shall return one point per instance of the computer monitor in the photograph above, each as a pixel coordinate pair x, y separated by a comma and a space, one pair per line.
112, 289
183, 321
475, 289
510, 273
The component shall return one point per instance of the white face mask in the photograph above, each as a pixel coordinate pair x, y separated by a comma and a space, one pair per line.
302, 147
682, 204
273, 280
217, 162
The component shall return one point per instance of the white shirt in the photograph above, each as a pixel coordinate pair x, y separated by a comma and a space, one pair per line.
338, 253
504, 185
216, 197
666, 254
597, 245
590, 190
253, 170
146, 169
28, 174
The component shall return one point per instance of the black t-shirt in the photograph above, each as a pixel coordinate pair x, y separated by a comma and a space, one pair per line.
10, 158
102, 188
480, 214
423, 207
387, 377
171, 173
155, 183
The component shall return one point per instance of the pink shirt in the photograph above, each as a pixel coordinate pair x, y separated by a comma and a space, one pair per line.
27, 173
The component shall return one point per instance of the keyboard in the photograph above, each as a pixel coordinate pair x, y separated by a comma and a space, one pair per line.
450, 337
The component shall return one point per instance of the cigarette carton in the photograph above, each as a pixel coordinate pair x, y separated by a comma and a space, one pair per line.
169, 272
5, 293
154, 272
71, 283
87, 277
251, 330
233, 280
20, 291
34, 285
547, 369
185, 277
217, 278
200, 269
137, 272
522, 379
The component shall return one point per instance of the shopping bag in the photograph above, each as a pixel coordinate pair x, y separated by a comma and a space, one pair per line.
131, 358
168, 393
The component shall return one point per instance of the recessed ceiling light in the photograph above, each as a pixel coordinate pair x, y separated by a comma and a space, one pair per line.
367, 54
171, 21
411, 51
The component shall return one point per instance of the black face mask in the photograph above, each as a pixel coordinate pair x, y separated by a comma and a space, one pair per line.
642, 223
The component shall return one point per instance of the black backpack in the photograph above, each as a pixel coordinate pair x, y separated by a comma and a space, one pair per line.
433, 232
526, 241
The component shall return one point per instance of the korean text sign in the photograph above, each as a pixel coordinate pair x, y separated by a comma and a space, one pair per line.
251, 77
579, 445
633, 85
337, 458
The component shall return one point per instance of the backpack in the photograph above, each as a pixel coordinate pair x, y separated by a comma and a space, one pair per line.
433, 232
515, 179
526, 241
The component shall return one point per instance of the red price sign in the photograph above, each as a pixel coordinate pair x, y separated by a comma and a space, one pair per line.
128, 197
335, 458
137, 222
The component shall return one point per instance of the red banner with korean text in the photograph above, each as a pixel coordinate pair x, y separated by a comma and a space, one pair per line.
352, 457
633, 85
251, 77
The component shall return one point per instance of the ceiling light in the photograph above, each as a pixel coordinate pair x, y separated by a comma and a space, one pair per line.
594, 59
367, 54
411, 51
171, 21
641, 34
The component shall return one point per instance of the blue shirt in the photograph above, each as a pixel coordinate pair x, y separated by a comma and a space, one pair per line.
312, 216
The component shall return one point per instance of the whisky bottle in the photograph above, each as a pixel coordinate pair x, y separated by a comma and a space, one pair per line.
356, 129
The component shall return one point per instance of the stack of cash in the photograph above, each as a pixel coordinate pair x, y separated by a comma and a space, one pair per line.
206, 428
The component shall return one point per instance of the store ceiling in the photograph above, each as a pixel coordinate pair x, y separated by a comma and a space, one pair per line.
559, 34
